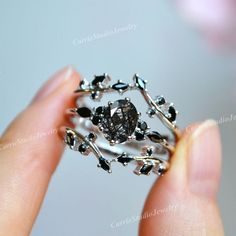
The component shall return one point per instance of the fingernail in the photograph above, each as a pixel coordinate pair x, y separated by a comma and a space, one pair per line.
53, 83
204, 153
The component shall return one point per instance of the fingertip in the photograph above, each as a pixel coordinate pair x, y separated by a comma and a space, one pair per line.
44, 114
67, 74
204, 160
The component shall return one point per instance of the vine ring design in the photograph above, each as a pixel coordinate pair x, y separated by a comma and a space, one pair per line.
118, 130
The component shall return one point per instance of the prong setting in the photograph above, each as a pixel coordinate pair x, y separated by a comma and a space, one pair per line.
121, 123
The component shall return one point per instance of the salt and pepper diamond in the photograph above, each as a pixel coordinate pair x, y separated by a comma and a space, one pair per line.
118, 120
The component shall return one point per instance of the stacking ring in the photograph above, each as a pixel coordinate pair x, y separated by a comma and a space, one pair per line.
117, 130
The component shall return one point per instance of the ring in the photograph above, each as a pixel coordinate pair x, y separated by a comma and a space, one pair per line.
118, 130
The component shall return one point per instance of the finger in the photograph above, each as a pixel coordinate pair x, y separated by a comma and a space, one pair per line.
26, 166
183, 202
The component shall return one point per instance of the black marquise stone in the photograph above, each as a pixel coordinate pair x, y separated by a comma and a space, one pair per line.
120, 86
105, 165
124, 159
98, 79
155, 137
146, 169
84, 112
140, 82
173, 114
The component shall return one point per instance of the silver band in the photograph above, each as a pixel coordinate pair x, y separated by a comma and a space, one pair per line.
128, 138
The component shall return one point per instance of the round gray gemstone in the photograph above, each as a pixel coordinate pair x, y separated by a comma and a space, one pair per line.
119, 121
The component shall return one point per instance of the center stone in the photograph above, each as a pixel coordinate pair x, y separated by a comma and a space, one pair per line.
119, 121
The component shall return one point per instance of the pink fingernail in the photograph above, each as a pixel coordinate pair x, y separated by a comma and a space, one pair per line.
205, 159
53, 83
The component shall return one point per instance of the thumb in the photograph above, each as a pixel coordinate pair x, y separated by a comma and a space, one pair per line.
183, 202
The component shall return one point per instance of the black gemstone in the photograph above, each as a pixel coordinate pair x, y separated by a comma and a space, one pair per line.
96, 120
98, 79
84, 112
151, 112
119, 121
70, 139
155, 137
94, 95
160, 100
82, 148
83, 84
173, 114
146, 169
139, 136
124, 159
161, 170
140, 82
143, 125
104, 164
91, 136
149, 151
99, 110
120, 86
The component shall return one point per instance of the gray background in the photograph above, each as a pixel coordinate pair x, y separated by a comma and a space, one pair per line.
38, 37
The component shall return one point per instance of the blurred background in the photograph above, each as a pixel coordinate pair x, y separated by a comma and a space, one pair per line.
120, 38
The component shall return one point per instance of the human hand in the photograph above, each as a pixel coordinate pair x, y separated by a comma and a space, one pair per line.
190, 185
183, 202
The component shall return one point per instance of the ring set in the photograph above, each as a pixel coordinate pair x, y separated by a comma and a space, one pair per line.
118, 130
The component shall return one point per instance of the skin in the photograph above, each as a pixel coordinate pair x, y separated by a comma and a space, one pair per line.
183, 202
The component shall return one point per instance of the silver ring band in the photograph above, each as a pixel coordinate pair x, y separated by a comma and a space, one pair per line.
124, 131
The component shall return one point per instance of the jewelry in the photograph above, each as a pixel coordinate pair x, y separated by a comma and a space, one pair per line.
121, 125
